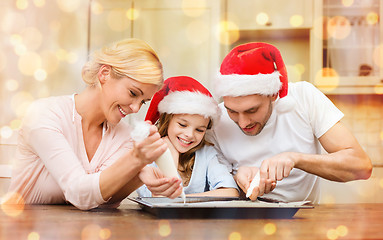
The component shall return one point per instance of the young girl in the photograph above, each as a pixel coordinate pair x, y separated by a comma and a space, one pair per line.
184, 110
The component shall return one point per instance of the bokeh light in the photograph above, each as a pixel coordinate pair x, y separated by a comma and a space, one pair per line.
293, 73
342, 230
31, 38
327, 79
300, 68
40, 75
68, 5
15, 124
90, 231
105, 233
13, 204
22, 4
132, 13
6, 132
381, 182
39, 3
235, 236
197, 32
33, 236
11, 85
49, 61
332, 234
372, 18
29, 63
296, 20
228, 32
338, 27
262, 18
347, 3
164, 228
193, 8
270, 228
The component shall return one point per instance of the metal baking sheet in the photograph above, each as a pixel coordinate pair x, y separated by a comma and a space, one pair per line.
218, 207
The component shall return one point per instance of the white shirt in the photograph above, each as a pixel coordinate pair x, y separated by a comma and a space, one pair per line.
297, 130
51, 164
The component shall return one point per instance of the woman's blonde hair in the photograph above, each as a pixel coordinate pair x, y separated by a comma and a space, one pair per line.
131, 58
186, 160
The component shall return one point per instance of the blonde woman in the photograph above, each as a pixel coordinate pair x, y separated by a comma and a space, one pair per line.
75, 149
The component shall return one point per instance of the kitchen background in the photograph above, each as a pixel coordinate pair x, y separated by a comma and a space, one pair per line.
334, 44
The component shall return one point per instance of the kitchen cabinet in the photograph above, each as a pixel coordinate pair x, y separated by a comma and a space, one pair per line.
347, 47
274, 14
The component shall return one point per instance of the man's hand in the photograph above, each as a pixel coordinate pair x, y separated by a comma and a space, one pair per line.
244, 177
158, 184
277, 167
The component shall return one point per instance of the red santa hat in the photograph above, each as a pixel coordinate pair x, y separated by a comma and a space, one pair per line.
182, 95
253, 68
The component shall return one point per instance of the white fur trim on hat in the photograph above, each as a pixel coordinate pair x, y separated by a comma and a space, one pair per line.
186, 102
241, 85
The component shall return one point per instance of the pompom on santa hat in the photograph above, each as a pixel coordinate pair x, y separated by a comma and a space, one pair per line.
183, 95
254, 68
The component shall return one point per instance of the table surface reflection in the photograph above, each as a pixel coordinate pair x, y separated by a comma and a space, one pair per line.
338, 221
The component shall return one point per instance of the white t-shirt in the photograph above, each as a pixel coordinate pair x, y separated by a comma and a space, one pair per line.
296, 130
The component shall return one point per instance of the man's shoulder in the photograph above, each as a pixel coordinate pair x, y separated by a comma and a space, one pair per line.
301, 87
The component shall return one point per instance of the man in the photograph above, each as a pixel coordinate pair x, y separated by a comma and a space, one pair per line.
277, 128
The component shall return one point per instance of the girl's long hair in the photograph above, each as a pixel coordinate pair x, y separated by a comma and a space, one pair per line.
186, 160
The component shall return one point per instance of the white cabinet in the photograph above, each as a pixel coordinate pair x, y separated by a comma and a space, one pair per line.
270, 14
348, 47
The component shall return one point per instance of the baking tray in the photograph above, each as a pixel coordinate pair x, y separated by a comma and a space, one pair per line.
218, 207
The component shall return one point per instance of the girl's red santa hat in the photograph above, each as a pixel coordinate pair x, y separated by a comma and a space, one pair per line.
183, 95
254, 68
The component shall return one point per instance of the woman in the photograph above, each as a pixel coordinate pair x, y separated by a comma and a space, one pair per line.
75, 148
184, 110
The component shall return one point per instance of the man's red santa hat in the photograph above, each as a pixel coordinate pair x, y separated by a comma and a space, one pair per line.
253, 68
182, 95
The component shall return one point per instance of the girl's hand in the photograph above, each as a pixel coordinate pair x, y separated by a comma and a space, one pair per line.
151, 148
158, 184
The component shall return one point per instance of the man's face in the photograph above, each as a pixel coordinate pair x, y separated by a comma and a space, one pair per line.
250, 112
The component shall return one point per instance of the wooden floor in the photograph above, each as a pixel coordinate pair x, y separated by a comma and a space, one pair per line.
347, 221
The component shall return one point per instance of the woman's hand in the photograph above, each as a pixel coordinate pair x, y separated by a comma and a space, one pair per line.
151, 148
158, 184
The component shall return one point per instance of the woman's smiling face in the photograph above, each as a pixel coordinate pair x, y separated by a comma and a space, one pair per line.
186, 131
123, 96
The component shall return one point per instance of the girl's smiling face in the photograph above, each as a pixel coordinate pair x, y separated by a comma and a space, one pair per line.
186, 131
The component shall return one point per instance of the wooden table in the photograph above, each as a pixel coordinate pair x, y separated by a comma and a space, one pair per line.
347, 221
